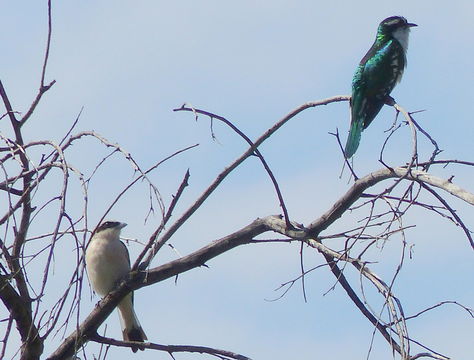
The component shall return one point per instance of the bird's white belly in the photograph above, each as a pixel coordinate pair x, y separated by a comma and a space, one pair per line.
104, 273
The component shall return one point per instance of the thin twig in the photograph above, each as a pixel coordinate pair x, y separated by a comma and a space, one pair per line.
257, 152
43, 88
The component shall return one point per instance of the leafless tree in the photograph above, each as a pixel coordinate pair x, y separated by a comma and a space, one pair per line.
379, 201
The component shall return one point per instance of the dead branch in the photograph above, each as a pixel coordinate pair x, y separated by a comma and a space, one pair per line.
245, 236
222, 354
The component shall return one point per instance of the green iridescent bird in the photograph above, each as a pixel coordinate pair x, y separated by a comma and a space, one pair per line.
376, 76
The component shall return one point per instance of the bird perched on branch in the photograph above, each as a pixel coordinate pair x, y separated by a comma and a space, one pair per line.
108, 262
376, 76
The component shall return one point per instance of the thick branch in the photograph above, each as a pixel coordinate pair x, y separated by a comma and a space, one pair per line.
244, 236
362, 184
21, 313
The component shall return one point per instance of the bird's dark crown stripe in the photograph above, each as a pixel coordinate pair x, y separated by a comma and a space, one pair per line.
395, 20
107, 225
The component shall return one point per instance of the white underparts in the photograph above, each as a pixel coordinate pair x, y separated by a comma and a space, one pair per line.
401, 35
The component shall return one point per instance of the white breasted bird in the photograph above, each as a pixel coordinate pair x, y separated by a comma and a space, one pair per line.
108, 262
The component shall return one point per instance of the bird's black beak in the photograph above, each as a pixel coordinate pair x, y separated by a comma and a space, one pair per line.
411, 25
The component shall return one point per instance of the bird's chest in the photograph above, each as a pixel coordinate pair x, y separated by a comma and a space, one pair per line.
395, 67
106, 265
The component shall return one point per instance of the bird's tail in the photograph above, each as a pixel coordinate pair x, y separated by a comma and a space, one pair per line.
131, 328
353, 139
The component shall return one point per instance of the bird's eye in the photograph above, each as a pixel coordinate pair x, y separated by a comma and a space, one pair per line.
107, 225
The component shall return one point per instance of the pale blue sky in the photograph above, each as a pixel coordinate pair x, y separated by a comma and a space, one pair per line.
130, 63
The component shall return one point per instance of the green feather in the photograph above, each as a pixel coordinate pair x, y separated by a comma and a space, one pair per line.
353, 139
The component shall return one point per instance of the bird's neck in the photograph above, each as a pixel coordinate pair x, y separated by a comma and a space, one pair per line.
400, 35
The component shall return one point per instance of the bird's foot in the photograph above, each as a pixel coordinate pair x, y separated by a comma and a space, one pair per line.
390, 100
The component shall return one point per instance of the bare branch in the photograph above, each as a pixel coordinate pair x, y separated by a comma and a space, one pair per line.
370, 180
43, 88
257, 152
197, 204
222, 354
165, 220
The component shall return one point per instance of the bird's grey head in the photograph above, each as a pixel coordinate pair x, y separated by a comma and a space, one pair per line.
396, 27
110, 228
